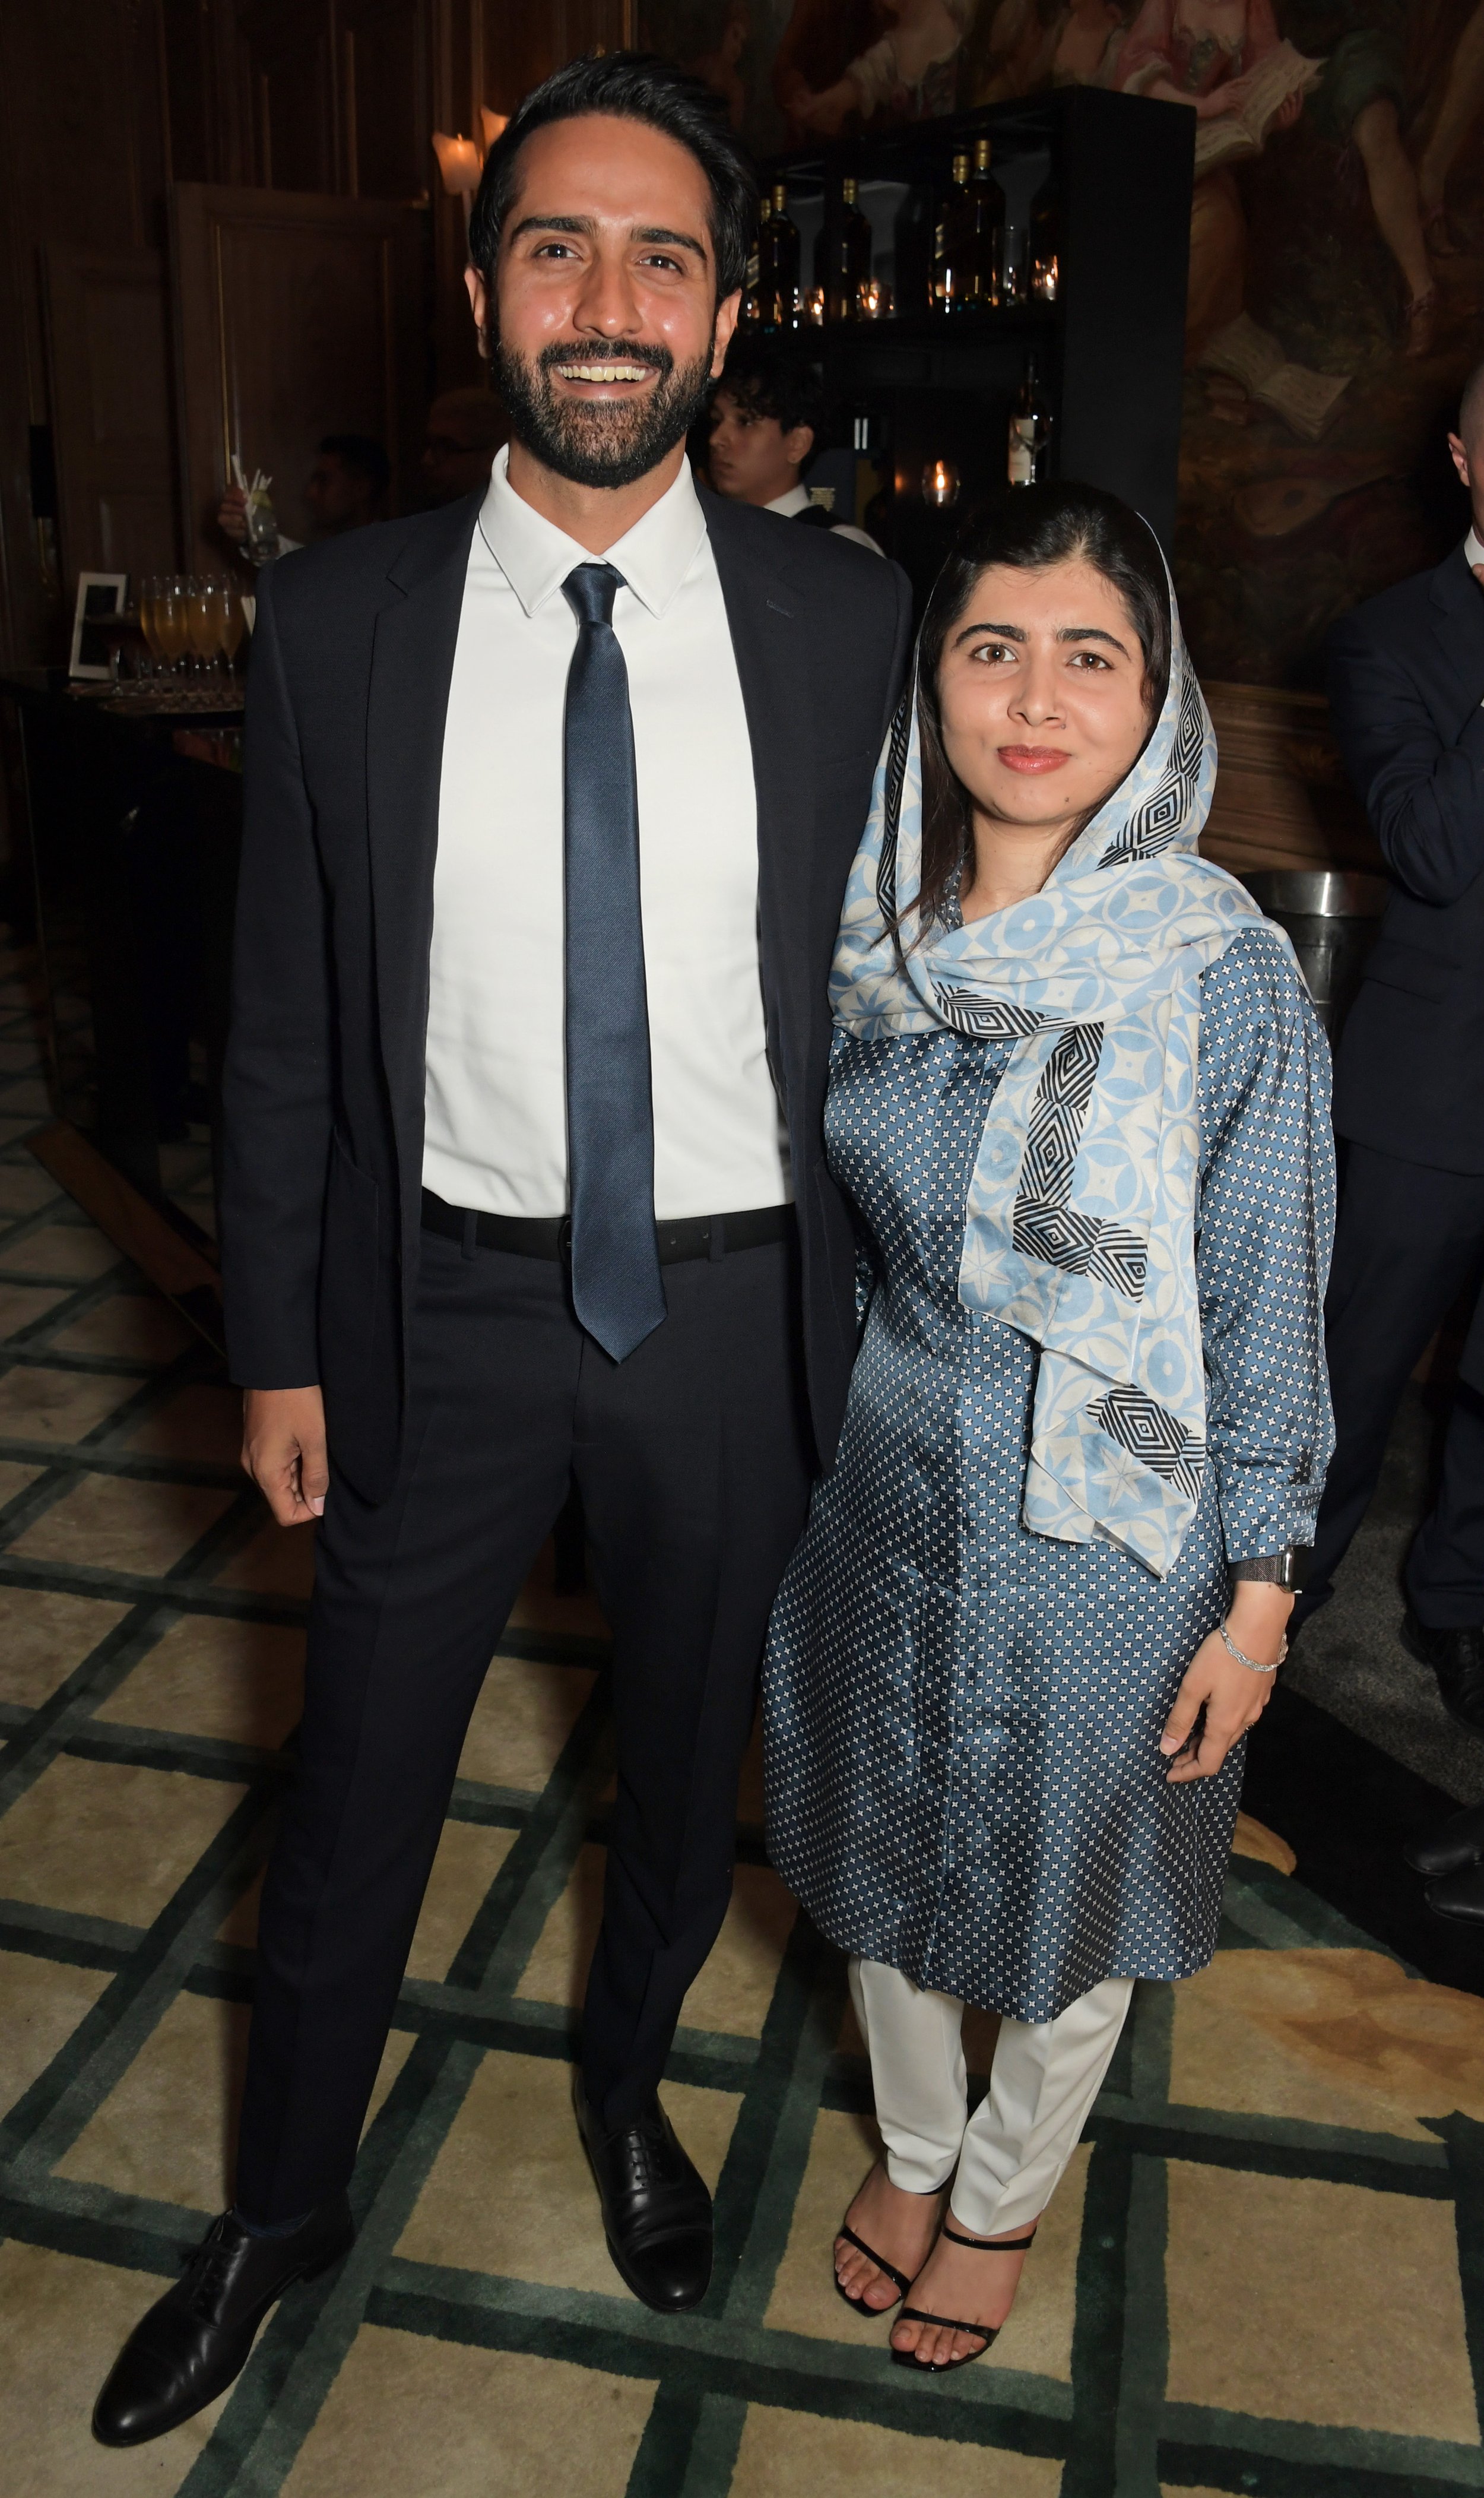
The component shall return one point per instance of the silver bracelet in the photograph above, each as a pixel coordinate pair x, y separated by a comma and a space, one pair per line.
1250, 1662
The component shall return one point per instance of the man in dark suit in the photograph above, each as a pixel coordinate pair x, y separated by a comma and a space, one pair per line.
552, 797
1406, 683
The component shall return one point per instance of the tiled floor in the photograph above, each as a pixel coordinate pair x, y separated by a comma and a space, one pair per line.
1250, 2281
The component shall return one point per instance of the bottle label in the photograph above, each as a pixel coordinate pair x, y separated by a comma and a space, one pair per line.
1021, 450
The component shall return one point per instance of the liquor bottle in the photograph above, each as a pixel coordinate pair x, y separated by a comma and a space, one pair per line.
848, 246
1030, 430
1044, 245
777, 265
954, 242
984, 260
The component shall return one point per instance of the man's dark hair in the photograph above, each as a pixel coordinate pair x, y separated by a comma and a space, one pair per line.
632, 86
1470, 405
362, 457
1033, 527
773, 377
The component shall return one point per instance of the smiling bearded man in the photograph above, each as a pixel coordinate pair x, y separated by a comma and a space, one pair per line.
551, 799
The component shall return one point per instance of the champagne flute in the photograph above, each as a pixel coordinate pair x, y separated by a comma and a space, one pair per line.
233, 624
169, 622
201, 635
149, 591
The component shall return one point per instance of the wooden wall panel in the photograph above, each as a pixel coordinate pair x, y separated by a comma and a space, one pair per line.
297, 316
386, 112
82, 162
108, 326
288, 54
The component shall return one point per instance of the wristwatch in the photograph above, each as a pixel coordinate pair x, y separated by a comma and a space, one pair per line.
1284, 1569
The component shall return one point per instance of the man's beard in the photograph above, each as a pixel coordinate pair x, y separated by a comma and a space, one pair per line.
601, 442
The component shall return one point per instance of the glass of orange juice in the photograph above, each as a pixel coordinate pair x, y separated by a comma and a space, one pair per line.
233, 624
201, 634
169, 618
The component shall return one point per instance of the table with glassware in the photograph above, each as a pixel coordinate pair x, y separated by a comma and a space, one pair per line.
131, 790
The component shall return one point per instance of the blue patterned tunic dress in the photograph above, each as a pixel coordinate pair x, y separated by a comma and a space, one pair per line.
961, 1716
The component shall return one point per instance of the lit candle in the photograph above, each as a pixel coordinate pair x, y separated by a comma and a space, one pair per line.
457, 163
940, 483
491, 124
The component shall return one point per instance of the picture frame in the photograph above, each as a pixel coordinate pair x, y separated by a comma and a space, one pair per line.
101, 597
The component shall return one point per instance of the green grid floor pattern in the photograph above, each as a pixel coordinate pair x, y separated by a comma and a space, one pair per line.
1265, 2272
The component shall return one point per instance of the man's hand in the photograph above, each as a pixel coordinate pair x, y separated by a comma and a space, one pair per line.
283, 1450
232, 521
1232, 1696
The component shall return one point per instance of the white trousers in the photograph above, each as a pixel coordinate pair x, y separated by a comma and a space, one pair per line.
1011, 2153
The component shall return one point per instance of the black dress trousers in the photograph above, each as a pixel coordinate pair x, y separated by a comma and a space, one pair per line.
693, 1461
1406, 1242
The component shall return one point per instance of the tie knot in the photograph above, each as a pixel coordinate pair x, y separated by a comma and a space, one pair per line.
591, 589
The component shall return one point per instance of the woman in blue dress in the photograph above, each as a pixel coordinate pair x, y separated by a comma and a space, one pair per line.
1079, 1101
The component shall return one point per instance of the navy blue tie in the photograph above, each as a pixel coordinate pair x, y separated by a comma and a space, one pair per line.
616, 1284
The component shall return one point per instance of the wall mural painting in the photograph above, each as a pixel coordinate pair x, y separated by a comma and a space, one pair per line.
1337, 250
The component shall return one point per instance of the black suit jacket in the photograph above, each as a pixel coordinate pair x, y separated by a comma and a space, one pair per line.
351, 662
1406, 682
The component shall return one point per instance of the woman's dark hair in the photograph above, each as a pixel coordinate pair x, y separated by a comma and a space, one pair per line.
632, 86
1033, 527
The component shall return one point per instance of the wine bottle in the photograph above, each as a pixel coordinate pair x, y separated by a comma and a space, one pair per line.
1043, 245
848, 255
750, 311
1030, 430
954, 242
777, 265
984, 259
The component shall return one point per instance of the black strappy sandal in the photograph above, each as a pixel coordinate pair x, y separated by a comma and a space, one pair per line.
984, 2334
903, 2285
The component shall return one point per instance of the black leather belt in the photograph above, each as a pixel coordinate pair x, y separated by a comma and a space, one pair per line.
522, 1235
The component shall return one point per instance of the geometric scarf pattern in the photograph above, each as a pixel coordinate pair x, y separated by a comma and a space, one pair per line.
1083, 1208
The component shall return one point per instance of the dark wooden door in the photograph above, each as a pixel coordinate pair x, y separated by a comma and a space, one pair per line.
108, 340
297, 315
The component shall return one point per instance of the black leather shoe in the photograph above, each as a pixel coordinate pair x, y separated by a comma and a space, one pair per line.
1461, 1895
1452, 1848
656, 2211
193, 2341
1457, 1658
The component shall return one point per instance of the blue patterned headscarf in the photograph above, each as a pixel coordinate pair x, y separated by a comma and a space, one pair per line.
1081, 1210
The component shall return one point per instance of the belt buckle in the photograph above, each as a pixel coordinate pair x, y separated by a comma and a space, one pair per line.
564, 1240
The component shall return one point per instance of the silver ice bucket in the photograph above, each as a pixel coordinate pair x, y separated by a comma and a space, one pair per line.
1331, 916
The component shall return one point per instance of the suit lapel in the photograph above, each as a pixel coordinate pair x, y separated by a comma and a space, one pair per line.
412, 664
1459, 624
769, 623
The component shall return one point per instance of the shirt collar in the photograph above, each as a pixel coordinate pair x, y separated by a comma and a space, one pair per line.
1473, 549
536, 557
796, 501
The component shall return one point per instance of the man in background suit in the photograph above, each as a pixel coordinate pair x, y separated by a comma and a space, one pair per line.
1406, 684
550, 800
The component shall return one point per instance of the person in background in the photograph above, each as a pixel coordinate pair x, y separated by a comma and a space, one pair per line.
346, 489
465, 428
769, 417
1406, 685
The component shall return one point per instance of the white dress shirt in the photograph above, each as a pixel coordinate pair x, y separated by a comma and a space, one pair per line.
799, 499
1473, 549
495, 1087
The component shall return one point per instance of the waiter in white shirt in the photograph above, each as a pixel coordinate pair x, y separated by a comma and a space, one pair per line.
551, 799
769, 418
